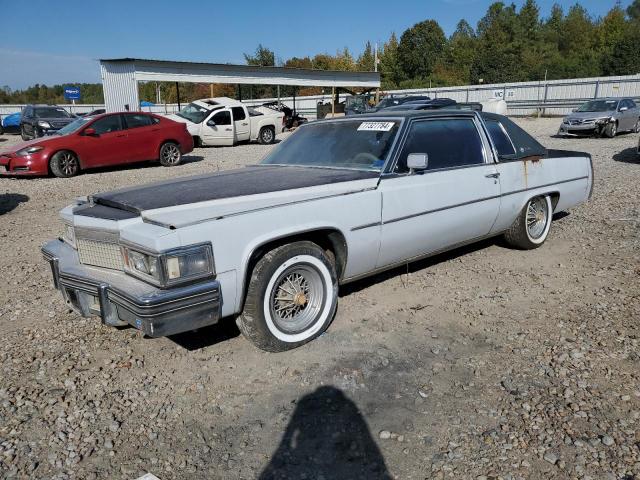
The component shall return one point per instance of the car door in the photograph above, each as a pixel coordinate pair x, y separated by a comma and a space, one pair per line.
218, 129
240, 123
141, 139
455, 200
106, 145
630, 115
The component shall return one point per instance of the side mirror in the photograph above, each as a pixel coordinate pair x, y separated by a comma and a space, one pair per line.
417, 161
574, 110
211, 123
624, 109
90, 132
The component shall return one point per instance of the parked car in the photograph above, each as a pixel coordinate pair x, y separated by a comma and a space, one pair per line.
97, 111
271, 243
225, 121
602, 117
102, 140
292, 119
361, 104
39, 120
11, 122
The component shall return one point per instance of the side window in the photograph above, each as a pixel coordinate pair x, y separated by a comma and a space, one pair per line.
449, 143
632, 104
499, 137
28, 112
222, 118
135, 120
238, 113
109, 124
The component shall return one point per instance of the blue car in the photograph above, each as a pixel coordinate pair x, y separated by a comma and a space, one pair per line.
11, 123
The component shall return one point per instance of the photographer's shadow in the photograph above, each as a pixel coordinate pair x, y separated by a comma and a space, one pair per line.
326, 438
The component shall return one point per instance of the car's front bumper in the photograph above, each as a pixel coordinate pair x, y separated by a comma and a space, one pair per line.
119, 299
36, 164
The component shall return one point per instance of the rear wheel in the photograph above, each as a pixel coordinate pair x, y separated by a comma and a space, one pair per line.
636, 128
611, 129
267, 135
531, 228
170, 155
64, 164
291, 297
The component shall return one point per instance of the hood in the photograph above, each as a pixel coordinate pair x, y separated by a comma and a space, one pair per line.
178, 118
188, 200
589, 115
19, 146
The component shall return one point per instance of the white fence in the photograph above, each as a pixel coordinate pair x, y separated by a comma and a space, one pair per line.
553, 97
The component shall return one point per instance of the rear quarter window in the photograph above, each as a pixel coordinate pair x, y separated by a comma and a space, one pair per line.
499, 138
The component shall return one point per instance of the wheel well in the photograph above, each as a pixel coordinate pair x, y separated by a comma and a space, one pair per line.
330, 240
555, 198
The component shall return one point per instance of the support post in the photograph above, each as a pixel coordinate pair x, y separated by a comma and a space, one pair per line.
333, 102
178, 94
211, 89
279, 96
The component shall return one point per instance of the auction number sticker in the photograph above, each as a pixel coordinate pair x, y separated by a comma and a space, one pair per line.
375, 126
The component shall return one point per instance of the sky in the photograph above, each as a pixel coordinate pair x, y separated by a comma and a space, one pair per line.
60, 42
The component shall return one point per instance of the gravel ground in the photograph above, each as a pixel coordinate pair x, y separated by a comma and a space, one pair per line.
484, 363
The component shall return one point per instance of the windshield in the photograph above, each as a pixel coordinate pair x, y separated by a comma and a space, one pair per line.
344, 144
598, 106
73, 126
51, 113
194, 113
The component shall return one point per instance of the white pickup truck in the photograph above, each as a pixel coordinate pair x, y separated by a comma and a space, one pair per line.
223, 121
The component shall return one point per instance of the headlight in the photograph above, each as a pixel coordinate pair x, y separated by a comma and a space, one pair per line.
603, 120
44, 124
172, 267
28, 150
69, 235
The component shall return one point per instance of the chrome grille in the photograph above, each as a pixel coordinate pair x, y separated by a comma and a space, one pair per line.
99, 254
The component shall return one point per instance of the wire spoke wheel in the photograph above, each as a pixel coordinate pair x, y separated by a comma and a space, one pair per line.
170, 154
296, 299
537, 217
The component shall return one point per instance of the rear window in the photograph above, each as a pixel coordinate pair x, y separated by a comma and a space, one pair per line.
136, 120
525, 144
238, 113
499, 137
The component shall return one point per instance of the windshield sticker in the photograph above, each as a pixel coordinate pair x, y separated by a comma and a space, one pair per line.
375, 126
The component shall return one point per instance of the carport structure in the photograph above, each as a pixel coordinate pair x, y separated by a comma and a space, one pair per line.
120, 77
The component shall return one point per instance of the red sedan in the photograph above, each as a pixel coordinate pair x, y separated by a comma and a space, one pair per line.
100, 141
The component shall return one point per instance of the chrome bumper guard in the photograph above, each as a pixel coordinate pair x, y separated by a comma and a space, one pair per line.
119, 299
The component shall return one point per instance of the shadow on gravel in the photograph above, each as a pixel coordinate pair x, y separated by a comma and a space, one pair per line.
628, 155
327, 437
226, 329
9, 201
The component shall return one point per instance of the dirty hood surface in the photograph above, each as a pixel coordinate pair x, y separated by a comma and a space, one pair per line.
191, 199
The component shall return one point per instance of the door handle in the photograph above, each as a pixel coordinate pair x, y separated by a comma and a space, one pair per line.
245, 124
227, 129
123, 135
493, 175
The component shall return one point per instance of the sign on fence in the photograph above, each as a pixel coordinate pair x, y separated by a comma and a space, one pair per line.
71, 93
501, 93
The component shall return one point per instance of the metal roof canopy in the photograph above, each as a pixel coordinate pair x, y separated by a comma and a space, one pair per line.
120, 77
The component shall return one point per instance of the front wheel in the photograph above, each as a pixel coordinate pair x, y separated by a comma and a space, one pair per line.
267, 135
291, 298
23, 133
636, 127
611, 130
170, 155
531, 228
64, 164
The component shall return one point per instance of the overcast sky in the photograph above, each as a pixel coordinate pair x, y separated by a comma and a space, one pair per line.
60, 42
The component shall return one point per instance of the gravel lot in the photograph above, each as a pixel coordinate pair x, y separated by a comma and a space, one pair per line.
484, 363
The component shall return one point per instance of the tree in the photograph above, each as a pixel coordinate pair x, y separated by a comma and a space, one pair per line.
366, 59
633, 10
420, 49
263, 57
390, 70
454, 67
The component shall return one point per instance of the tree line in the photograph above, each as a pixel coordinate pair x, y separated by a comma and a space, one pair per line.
507, 45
